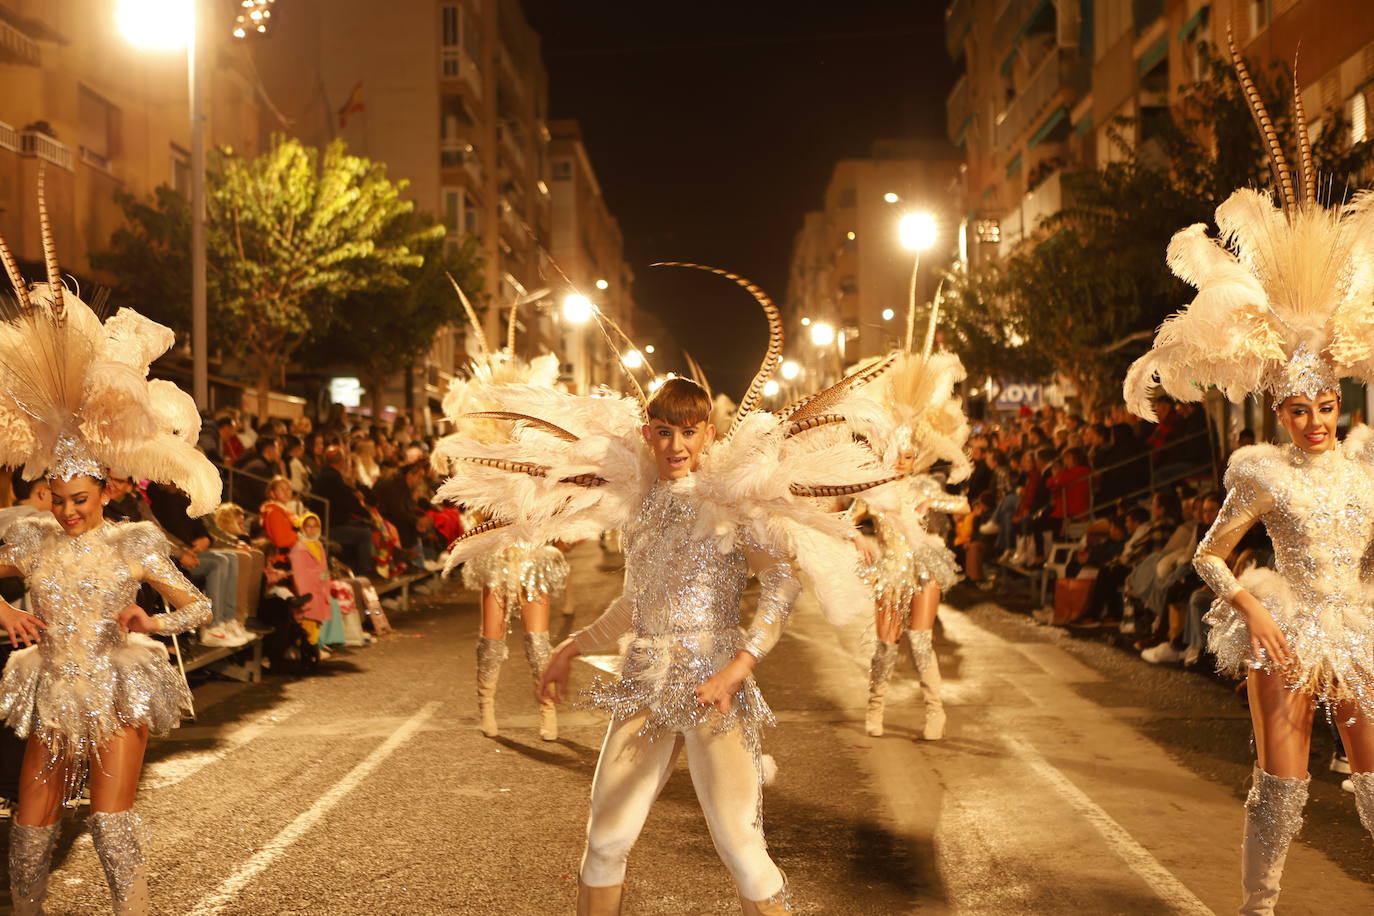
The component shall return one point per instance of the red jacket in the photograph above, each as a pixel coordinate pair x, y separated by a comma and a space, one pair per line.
1070, 491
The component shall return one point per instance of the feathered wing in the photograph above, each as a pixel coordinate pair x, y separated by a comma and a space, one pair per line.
747, 482
536, 485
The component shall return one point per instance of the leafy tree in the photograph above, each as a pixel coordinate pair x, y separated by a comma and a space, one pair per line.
1082, 297
381, 331
288, 233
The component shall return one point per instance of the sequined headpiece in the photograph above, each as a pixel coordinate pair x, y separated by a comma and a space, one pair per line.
75, 397
1285, 294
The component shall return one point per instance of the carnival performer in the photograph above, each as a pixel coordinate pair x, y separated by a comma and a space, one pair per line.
924, 424
1283, 308
75, 407
696, 526
521, 578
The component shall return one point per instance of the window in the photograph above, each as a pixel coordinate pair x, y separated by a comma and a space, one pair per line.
99, 129
462, 215
1357, 113
450, 40
180, 171
1261, 14
562, 170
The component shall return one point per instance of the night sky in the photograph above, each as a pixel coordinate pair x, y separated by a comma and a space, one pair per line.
713, 127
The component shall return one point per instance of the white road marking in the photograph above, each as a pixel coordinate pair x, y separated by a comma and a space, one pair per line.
175, 769
1159, 879
307, 819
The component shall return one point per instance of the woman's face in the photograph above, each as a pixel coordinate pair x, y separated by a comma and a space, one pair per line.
78, 504
906, 460
1311, 422
310, 528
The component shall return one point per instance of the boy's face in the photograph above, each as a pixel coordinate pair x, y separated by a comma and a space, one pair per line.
677, 449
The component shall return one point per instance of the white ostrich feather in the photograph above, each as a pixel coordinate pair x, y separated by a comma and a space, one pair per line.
1271, 284
76, 377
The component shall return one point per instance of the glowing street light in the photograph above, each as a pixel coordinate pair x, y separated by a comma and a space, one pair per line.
888, 314
806, 322
790, 370
156, 25
649, 349
891, 197
633, 359
822, 334
771, 388
602, 284
577, 308
917, 231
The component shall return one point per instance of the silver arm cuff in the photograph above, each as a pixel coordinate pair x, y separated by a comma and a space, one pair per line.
1217, 575
778, 593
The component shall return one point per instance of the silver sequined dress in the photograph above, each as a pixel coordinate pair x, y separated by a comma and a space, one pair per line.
1319, 513
518, 574
87, 678
910, 557
681, 605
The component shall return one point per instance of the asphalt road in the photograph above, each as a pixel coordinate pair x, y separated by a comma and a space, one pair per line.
1074, 779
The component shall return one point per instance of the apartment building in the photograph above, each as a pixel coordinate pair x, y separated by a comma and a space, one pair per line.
1044, 82
849, 274
590, 254
101, 116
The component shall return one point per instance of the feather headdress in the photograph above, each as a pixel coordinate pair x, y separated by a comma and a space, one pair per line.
1285, 295
75, 397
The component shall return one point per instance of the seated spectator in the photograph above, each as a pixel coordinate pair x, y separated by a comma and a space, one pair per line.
366, 470
216, 572
258, 466
277, 517
350, 523
231, 447
32, 498
394, 494
1069, 488
1104, 601
297, 469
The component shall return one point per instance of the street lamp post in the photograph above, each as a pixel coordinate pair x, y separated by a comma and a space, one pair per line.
159, 26
917, 233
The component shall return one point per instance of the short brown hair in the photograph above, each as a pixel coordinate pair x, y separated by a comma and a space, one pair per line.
679, 402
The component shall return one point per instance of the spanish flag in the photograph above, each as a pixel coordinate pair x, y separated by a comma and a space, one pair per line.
353, 105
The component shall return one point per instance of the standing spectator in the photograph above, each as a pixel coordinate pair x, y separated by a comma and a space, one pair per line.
350, 524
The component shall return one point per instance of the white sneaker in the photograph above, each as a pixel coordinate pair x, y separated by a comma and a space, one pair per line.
1348, 785
215, 635
1164, 653
1339, 764
1191, 656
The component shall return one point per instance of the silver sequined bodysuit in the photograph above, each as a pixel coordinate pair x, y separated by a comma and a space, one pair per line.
87, 678
1319, 513
682, 605
910, 557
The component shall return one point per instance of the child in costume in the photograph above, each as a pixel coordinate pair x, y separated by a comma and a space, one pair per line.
696, 526
1283, 308
76, 406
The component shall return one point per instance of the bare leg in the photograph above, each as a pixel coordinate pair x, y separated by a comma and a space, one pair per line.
923, 609
491, 652
34, 830
115, 828
1282, 720
535, 617
1357, 734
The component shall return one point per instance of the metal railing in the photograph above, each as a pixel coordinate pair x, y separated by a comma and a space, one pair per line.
1154, 480
229, 472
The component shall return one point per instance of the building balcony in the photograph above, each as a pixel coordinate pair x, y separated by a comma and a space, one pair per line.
1052, 84
1043, 201
9, 138
457, 153
16, 47
455, 65
41, 146
958, 20
958, 114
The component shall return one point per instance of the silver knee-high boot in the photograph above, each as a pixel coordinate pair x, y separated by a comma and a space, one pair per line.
1364, 798
879, 673
30, 861
1273, 815
928, 667
537, 653
117, 840
490, 654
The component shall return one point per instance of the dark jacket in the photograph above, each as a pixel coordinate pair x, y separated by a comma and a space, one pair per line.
344, 506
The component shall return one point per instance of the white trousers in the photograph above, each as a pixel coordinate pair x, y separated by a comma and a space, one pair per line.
631, 773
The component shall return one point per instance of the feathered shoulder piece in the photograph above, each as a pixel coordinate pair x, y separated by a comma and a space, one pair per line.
564, 467
1285, 294
1250, 463
75, 397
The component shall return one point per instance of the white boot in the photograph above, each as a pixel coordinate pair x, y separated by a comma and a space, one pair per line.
117, 841
490, 654
879, 673
30, 861
1273, 815
537, 653
928, 667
